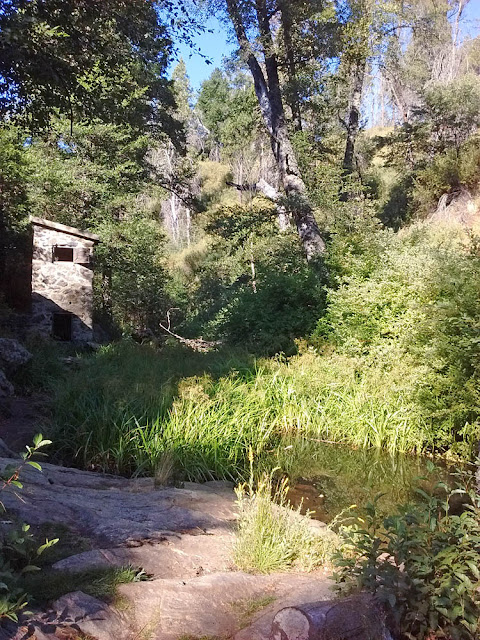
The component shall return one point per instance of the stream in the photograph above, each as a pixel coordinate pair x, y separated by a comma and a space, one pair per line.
327, 478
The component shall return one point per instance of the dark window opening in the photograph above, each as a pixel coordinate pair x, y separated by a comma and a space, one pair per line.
62, 326
62, 254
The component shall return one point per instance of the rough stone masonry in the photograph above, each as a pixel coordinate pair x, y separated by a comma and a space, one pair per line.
62, 281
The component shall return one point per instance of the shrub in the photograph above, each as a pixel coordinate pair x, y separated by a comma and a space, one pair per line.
417, 309
269, 319
422, 562
18, 550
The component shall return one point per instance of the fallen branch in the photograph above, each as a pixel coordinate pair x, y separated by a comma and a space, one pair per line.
197, 344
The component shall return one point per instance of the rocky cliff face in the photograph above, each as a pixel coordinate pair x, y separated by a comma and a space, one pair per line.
459, 207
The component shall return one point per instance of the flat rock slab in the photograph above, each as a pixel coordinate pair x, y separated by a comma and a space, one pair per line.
119, 511
182, 537
217, 605
175, 556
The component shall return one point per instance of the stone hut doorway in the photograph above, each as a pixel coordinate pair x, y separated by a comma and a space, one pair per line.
62, 326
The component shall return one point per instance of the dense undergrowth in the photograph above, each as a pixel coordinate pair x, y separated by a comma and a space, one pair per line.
128, 407
421, 561
393, 364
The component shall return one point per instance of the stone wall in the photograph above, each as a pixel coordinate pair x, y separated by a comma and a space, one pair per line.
58, 286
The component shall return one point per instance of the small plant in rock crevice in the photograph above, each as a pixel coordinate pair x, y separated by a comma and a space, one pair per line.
18, 548
423, 562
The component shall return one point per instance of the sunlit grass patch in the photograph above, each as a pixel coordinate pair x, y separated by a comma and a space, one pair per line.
137, 411
272, 536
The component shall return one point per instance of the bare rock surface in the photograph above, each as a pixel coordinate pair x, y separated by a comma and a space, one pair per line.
218, 605
91, 617
182, 537
119, 511
6, 387
13, 355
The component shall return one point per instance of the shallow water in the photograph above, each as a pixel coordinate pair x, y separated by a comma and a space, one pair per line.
327, 479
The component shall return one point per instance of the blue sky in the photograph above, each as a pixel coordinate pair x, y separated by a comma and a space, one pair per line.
212, 45
218, 44
471, 18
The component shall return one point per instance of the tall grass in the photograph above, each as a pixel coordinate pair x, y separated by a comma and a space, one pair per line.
128, 407
272, 536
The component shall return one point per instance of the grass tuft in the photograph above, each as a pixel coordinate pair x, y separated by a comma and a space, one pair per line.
100, 583
274, 537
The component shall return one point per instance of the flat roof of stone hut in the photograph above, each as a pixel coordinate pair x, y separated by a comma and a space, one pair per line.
56, 226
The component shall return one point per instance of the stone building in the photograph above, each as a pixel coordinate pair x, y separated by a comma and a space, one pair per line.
62, 281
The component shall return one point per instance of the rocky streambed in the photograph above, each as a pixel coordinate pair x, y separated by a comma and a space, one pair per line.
181, 537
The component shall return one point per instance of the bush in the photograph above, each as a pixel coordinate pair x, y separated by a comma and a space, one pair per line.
417, 308
422, 562
284, 307
18, 549
249, 284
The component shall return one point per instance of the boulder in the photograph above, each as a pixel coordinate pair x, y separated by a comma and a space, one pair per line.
92, 617
6, 387
5, 450
359, 617
13, 355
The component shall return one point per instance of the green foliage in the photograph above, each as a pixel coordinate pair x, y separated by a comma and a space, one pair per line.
128, 407
182, 91
18, 548
439, 146
268, 320
213, 101
13, 194
99, 179
229, 110
417, 305
271, 535
253, 286
84, 60
46, 366
83, 178
448, 173
131, 259
421, 562
451, 111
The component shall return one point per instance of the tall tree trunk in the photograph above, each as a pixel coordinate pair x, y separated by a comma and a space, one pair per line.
353, 125
293, 98
267, 90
